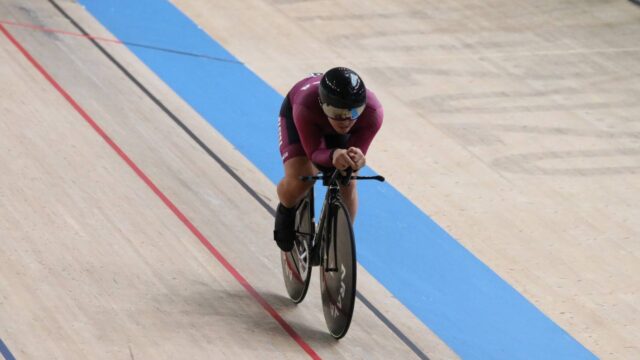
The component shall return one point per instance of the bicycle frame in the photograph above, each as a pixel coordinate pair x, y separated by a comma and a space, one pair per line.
325, 214
333, 189
313, 248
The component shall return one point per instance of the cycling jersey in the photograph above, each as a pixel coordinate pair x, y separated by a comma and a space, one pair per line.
305, 130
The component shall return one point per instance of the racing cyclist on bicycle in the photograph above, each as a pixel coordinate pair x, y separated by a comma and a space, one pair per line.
326, 121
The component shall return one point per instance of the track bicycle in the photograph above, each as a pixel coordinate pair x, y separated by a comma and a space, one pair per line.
331, 246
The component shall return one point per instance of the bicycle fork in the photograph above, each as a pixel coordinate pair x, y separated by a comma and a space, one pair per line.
330, 239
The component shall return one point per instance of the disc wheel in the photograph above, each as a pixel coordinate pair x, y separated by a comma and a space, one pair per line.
338, 271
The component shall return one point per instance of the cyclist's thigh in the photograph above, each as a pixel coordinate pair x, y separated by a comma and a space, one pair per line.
299, 166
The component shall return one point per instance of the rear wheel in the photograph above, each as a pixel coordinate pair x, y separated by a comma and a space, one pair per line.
338, 271
296, 265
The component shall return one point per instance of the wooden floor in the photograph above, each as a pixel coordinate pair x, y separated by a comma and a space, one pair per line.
521, 120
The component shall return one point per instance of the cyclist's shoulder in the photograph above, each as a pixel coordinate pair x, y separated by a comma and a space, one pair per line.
306, 85
372, 101
304, 97
307, 110
373, 113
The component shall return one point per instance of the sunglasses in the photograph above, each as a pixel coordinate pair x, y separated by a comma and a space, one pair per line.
337, 114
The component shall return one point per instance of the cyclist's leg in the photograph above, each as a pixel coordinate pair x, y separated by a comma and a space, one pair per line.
291, 189
349, 194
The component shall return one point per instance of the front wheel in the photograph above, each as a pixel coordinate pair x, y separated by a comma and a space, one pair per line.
296, 266
338, 270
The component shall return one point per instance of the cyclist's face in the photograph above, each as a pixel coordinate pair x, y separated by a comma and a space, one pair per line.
342, 126
342, 120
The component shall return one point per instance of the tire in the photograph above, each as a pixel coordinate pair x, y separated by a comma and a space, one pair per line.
338, 275
296, 266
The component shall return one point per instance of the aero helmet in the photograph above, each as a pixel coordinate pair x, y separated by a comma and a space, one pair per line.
342, 94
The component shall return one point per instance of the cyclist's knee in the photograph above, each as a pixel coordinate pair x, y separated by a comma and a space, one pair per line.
295, 184
299, 163
297, 167
349, 191
292, 189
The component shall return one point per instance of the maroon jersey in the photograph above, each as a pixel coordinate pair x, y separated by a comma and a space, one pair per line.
304, 127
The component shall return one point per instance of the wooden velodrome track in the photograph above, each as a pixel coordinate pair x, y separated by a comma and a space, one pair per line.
514, 124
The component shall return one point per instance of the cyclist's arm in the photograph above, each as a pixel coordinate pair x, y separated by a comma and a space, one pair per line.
311, 137
363, 136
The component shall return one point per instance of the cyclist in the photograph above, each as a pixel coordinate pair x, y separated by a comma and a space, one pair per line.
326, 121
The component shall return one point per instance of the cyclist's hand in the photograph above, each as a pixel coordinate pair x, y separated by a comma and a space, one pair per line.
341, 160
357, 157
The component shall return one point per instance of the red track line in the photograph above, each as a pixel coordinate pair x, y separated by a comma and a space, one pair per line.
44, 29
165, 199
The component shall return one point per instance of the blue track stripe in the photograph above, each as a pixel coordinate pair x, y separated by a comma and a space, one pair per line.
4, 350
471, 308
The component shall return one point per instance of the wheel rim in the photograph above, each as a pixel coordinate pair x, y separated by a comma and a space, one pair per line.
295, 264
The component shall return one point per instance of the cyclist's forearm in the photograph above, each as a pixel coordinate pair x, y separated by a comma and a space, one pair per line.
322, 157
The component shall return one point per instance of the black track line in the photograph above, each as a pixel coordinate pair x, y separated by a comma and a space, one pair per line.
416, 350
178, 52
173, 117
391, 326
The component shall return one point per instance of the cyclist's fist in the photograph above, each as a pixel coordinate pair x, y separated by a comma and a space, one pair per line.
341, 160
357, 157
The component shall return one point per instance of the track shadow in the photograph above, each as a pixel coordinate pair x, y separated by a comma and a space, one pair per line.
279, 301
205, 306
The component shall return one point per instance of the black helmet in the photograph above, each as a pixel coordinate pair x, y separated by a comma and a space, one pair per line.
342, 93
